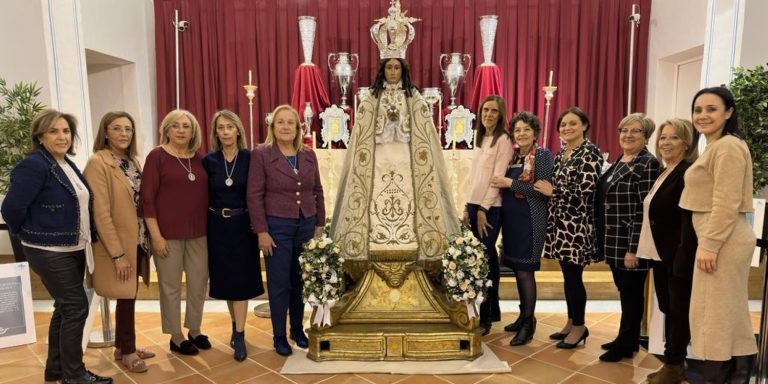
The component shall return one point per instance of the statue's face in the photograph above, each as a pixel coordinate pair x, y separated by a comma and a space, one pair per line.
393, 71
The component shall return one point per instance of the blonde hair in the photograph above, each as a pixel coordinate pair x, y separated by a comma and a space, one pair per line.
684, 130
170, 118
645, 122
101, 137
231, 116
47, 118
297, 143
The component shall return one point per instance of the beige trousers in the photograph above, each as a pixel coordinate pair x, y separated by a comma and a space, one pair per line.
191, 257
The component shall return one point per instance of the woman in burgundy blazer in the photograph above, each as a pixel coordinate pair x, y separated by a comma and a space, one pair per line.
286, 205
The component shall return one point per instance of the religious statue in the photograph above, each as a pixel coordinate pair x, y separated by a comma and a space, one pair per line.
394, 200
393, 219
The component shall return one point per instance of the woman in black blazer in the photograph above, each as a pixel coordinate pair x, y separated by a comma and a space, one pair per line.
618, 219
668, 239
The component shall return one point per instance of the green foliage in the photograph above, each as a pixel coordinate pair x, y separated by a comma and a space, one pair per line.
18, 105
750, 90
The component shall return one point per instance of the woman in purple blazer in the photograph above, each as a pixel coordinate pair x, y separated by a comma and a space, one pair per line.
286, 205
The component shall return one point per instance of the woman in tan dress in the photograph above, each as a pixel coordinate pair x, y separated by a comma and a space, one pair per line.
718, 190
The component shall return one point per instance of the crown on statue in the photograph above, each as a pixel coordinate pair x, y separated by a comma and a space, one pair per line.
393, 33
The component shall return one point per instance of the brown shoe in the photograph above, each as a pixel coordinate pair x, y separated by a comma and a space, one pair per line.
141, 352
133, 363
668, 374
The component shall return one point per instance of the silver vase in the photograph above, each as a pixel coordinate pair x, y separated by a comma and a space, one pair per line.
344, 71
454, 67
307, 29
488, 24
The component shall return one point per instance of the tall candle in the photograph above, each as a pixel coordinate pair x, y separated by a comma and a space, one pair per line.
550, 77
249, 77
314, 140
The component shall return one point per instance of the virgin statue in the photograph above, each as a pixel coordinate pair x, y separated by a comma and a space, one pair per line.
394, 200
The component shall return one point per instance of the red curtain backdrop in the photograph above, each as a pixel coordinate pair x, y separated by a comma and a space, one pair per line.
585, 42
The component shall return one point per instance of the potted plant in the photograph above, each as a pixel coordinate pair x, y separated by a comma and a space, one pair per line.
750, 91
18, 105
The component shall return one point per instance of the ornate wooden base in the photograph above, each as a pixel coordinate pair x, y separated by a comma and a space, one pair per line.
395, 313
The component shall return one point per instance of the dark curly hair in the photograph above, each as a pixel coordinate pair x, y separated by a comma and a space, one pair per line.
378, 83
528, 118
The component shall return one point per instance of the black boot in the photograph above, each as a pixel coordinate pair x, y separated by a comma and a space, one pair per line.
525, 334
716, 372
742, 369
239, 345
515, 326
232, 338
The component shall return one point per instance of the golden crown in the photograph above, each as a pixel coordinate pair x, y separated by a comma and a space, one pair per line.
393, 33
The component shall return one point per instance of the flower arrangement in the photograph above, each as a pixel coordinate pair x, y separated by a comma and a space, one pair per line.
465, 270
321, 270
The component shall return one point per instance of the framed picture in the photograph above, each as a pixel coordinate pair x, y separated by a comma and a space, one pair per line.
17, 320
757, 221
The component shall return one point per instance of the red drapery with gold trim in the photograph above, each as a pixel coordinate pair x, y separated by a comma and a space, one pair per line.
586, 43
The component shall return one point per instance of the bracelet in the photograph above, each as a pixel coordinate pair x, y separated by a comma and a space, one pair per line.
118, 257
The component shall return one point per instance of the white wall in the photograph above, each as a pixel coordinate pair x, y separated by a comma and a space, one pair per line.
676, 37
124, 30
22, 44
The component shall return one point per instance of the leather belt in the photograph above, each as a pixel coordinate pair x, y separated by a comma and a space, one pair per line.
228, 212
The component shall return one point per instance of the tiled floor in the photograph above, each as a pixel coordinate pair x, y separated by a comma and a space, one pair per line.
537, 362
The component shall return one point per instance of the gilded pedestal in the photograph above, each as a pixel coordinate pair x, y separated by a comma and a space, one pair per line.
394, 312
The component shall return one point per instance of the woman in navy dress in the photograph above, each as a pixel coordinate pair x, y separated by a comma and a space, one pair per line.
524, 218
233, 251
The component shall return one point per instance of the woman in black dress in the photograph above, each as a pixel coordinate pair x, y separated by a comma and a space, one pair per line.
524, 217
233, 252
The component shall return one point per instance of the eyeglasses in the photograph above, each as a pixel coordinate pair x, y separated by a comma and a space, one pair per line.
118, 129
633, 131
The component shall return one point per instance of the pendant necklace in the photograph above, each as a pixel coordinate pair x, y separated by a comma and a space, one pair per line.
188, 168
228, 182
293, 163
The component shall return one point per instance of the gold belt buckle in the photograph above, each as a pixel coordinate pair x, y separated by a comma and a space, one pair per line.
225, 213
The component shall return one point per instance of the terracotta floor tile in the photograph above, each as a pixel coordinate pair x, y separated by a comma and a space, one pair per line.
534, 346
191, 379
21, 368
463, 379
509, 354
19, 352
572, 359
422, 379
233, 371
382, 378
269, 359
504, 378
539, 372
578, 378
346, 378
308, 379
267, 378
162, 370
206, 359
616, 373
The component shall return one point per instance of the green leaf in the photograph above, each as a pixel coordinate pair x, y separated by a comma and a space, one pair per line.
18, 106
750, 91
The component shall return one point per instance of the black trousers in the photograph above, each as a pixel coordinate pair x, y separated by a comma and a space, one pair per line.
489, 309
62, 273
674, 295
575, 292
631, 286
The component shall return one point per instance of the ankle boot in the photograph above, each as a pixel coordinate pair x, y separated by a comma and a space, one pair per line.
232, 338
716, 372
525, 334
668, 374
238, 342
742, 369
515, 326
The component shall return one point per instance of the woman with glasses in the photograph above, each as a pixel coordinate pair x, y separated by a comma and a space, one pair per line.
174, 200
618, 220
122, 253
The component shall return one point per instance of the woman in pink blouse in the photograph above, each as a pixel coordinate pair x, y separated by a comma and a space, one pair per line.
483, 208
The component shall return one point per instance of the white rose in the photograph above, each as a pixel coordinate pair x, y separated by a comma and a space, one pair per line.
472, 294
489, 283
452, 282
459, 241
336, 250
474, 242
312, 244
322, 244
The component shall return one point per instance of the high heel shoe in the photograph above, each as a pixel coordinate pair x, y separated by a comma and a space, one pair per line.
239, 345
558, 336
515, 326
564, 345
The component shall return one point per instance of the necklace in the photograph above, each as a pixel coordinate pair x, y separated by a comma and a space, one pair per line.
188, 168
228, 182
293, 163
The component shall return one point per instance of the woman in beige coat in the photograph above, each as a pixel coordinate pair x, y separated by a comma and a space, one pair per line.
718, 190
120, 255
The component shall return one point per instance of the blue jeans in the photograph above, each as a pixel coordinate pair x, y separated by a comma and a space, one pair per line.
283, 272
